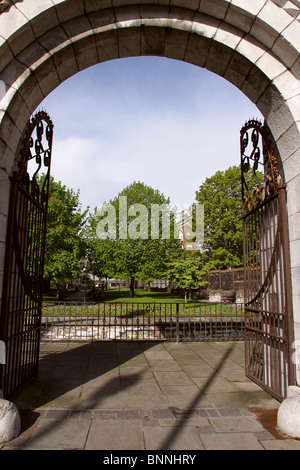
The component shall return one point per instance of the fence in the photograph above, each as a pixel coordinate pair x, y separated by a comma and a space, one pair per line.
74, 321
226, 279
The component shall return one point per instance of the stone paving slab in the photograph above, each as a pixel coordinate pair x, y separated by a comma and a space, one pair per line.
142, 397
168, 429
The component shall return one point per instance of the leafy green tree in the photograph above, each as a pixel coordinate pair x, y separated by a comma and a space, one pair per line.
187, 270
64, 243
135, 250
223, 227
99, 251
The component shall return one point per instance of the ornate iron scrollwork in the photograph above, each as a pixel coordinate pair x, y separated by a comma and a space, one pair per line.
257, 152
36, 145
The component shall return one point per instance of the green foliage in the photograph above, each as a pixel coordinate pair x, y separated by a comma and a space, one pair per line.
187, 270
223, 227
64, 244
123, 256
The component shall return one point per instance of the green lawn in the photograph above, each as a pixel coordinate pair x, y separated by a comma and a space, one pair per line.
141, 295
123, 295
120, 303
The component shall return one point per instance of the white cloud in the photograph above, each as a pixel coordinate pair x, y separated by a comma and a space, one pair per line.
165, 123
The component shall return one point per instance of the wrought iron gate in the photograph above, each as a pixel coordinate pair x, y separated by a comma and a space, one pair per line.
24, 259
268, 297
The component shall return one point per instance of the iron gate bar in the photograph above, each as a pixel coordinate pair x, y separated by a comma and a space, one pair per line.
140, 321
267, 284
21, 308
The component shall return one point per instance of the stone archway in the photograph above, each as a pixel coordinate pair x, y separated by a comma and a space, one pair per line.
255, 45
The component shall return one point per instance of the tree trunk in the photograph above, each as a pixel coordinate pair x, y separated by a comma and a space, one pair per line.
59, 292
132, 287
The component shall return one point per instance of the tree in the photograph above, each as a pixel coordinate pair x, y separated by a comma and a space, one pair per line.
187, 270
223, 228
101, 252
136, 251
64, 243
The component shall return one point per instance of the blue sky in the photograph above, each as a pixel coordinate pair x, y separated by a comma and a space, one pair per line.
166, 123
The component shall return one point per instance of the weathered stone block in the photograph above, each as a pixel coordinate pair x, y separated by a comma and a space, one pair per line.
294, 226
107, 45
6, 55
18, 111
9, 133
6, 162
76, 26
294, 106
296, 68
12, 72
270, 101
295, 275
289, 142
46, 76
33, 9
86, 52
216, 9
5, 190
238, 69
146, 11
255, 85
31, 93
176, 44
270, 66
292, 167
95, 5
240, 18
102, 18
16, 21
152, 41
31, 54
287, 84
65, 12
197, 50
65, 62
278, 115
3, 226
251, 48
53, 38
292, 34
228, 35
190, 4
181, 14
295, 255
129, 42
252, 8
205, 26
283, 50
293, 200
42, 15
218, 58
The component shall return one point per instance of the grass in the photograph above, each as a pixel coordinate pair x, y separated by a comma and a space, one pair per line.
117, 303
115, 296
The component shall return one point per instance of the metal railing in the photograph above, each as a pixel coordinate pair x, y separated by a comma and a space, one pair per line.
77, 321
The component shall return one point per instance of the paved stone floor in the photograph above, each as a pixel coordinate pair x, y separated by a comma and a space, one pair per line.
146, 396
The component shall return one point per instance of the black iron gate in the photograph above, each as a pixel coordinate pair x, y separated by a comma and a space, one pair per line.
24, 259
268, 296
